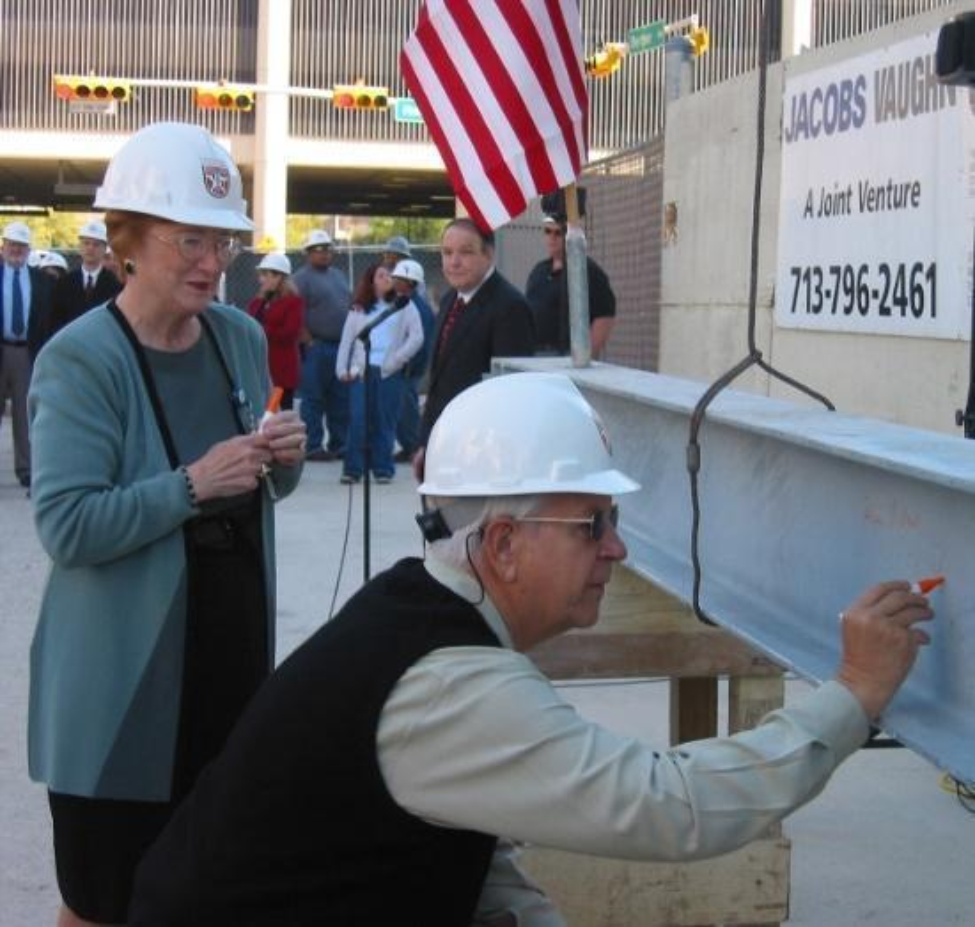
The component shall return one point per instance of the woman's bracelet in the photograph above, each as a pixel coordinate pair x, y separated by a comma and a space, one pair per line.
190, 488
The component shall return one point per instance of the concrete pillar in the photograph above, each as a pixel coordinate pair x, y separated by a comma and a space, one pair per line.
678, 69
271, 126
797, 27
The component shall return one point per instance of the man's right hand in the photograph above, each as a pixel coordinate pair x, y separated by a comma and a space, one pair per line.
881, 642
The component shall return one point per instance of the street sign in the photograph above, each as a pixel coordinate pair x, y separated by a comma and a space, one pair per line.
406, 110
98, 107
648, 37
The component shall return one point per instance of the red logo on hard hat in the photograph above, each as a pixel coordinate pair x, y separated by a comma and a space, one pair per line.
216, 179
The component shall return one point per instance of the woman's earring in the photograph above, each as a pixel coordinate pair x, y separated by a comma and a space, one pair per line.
129, 268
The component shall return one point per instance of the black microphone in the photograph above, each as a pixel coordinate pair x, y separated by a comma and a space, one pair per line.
401, 303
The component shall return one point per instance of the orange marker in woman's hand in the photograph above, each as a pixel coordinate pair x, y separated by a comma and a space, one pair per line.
926, 585
273, 406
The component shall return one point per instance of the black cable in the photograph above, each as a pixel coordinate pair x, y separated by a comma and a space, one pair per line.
754, 357
345, 547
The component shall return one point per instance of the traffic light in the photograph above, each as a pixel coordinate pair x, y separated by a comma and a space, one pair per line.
226, 97
605, 60
100, 89
359, 96
700, 40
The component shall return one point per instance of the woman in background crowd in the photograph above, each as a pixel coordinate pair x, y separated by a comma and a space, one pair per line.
280, 310
393, 341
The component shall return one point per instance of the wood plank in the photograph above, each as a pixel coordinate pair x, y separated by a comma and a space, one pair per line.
693, 709
749, 886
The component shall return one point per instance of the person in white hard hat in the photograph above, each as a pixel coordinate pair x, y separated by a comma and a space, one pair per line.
408, 280
155, 477
395, 332
325, 290
89, 285
381, 774
53, 264
395, 250
280, 310
25, 308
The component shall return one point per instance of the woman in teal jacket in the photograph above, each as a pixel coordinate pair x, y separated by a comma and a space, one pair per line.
154, 477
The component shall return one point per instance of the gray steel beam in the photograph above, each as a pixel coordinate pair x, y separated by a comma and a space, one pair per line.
801, 510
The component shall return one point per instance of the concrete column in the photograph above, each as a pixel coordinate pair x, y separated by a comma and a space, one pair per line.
797, 27
678, 69
271, 125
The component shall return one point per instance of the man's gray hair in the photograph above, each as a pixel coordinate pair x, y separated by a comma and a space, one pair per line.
466, 516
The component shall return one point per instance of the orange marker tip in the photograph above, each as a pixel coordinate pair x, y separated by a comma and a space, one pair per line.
926, 585
274, 403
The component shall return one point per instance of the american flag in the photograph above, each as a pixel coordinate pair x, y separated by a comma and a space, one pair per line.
501, 89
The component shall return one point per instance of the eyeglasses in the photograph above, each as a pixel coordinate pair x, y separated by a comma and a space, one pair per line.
193, 247
550, 230
597, 522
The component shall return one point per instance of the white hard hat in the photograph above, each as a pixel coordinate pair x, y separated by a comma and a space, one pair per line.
521, 434
409, 270
315, 238
178, 172
279, 263
35, 257
398, 245
94, 229
18, 232
52, 259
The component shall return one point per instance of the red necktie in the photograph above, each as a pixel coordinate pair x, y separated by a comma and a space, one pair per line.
453, 315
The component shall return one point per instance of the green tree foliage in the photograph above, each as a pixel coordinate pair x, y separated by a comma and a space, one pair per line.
57, 231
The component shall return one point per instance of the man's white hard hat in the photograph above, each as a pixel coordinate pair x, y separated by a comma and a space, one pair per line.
316, 238
277, 262
178, 172
95, 229
521, 434
18, 232
409, 270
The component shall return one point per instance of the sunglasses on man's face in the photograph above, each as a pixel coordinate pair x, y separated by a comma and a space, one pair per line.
597, 523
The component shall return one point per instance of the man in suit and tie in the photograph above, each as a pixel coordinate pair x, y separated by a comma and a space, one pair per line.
25, 295
481, 316
89, 285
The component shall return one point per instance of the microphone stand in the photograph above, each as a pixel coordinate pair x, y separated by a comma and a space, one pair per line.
366, 462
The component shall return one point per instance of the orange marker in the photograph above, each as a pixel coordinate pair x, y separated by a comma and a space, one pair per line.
274, 403
273, 406
926, 585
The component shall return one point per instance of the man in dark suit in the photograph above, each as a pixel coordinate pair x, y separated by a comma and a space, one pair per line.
89, 285
481, 316
25, 303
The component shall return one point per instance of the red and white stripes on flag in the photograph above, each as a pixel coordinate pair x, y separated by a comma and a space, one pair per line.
500, 85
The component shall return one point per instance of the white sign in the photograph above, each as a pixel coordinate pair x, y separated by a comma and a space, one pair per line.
877, 209
96, 107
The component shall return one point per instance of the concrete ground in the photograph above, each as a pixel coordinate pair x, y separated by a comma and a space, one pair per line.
883, 845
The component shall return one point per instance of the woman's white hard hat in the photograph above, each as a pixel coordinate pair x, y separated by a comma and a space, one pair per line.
277, 262
178, 172
521, 434
52, 259
409, 270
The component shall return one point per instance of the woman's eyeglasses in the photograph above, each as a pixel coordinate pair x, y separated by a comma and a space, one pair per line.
193, 247
597, 522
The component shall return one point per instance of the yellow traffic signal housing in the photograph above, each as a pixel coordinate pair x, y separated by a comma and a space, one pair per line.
359, 96
700, 41
606, 60
100, 89
226, 97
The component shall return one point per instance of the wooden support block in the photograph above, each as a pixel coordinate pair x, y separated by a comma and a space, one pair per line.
693, 709
749, 886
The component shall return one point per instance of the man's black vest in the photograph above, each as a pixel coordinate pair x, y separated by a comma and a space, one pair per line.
292, 824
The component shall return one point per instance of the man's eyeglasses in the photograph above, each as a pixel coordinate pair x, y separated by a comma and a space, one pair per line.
597, 522
193, 247
552, 230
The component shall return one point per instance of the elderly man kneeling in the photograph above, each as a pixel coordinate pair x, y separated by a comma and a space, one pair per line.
381, 774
